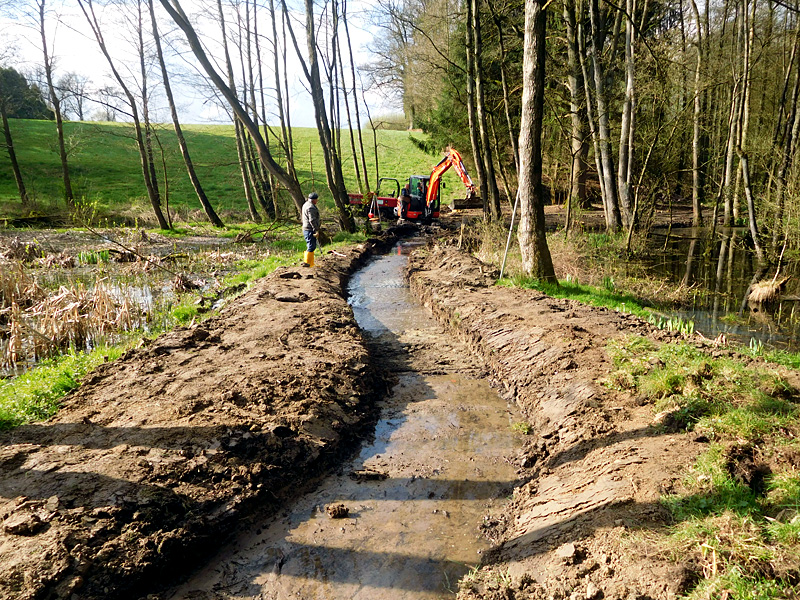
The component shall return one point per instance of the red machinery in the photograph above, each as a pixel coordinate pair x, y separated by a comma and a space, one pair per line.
422, 202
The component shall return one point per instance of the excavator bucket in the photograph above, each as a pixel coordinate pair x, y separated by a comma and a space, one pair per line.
471, 201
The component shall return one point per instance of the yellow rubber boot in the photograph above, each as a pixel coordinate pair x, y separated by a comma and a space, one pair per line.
310, 259
305, 257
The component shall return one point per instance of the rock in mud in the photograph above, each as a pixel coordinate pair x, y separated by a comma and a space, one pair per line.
23, 523
337, 511
368, 475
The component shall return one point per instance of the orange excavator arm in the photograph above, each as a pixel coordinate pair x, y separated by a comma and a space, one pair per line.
451, 159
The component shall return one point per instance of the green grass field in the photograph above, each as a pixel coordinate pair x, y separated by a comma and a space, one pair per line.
106, 173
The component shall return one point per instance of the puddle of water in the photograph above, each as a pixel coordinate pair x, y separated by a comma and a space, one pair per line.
440, 441
724, 267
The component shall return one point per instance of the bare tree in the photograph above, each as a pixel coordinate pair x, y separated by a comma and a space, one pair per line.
178, 15
56, 102
333, 164
536, 260
73, 89
87, 7
187, 159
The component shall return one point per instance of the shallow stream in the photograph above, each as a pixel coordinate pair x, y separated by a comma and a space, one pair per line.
437, 465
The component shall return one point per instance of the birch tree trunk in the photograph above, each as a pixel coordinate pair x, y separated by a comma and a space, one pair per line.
697, 179
627, 122
614, 219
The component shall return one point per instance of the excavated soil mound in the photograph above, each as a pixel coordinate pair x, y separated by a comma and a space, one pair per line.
596, 462
153, 459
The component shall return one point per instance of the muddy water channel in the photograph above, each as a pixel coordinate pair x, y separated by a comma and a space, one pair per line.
415, 495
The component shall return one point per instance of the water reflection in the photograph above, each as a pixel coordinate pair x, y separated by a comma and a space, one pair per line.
724, 266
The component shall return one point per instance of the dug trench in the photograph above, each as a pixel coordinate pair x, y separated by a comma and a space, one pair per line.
160, 455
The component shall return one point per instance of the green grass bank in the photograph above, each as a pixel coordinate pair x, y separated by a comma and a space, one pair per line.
107, 179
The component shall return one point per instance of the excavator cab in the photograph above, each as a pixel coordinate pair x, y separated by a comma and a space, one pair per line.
418, 207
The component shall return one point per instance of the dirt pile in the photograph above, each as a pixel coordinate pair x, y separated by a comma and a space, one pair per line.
596, 460
151, 461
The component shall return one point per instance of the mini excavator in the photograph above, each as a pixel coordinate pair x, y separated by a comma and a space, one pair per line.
422, 202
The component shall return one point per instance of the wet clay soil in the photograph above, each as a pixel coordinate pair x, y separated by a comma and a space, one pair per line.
158, 455
408, 508
162, 456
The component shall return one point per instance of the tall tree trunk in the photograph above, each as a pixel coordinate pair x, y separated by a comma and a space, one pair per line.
578, 141
333, 165
241, 150
287, 148
62, 149
361, 186
177, 14
258, 175
536, 260
287, 112
590, 119
744, 162
788, 140
603, 127
477, 151
514, 139
12, 156
187, 159
355, 105
480, 106
272, 208
697, 180
152, 189
627, 121
148, 126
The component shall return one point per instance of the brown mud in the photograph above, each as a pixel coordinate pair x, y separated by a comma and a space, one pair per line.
402, 519
597, 461
159, 456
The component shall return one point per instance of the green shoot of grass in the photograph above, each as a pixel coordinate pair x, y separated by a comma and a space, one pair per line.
522, 427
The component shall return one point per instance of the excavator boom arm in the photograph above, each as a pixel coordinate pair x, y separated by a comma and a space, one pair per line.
451, 159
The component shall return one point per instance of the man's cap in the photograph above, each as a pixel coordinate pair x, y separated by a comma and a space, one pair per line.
313, 196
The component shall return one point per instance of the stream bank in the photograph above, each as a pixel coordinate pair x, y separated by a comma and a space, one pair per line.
597, 461
402, 519
160, 454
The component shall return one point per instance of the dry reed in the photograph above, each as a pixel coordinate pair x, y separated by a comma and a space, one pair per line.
767, 292
34, 325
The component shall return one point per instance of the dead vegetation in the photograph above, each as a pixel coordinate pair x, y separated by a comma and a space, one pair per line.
36, 325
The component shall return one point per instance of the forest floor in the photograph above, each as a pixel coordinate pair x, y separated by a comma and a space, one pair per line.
158, 456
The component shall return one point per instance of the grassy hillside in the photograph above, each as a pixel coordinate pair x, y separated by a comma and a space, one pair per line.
106, 173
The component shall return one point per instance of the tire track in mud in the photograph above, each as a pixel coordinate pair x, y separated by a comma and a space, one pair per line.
597, 462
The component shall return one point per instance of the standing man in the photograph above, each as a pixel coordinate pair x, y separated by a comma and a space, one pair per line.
310, 227
405, 199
